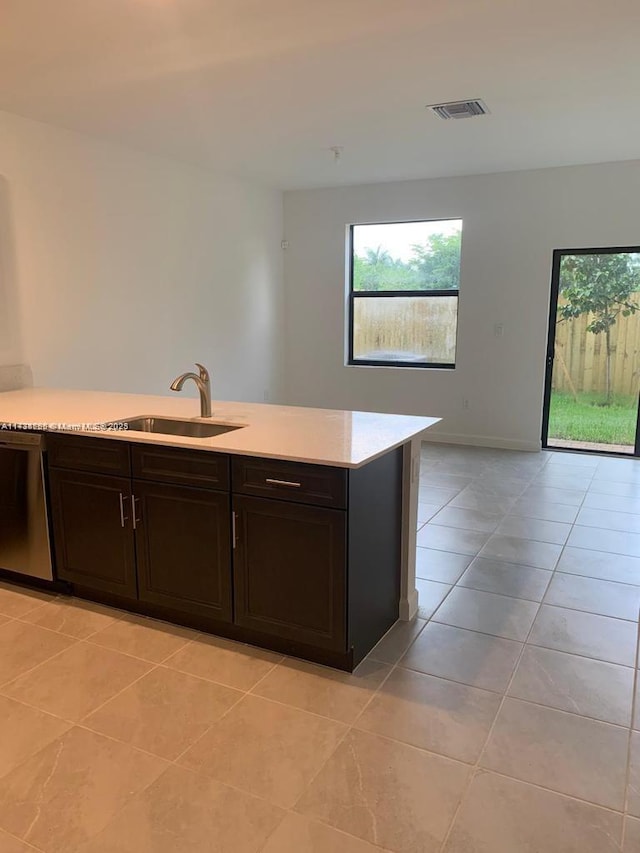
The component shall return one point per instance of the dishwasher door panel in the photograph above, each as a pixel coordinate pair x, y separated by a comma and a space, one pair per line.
24, 532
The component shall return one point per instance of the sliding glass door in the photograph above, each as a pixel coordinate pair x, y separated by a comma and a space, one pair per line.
593, 351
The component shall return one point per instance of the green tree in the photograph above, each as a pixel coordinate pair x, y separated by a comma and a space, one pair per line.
433, 266
378, 270
437, 263
600, 286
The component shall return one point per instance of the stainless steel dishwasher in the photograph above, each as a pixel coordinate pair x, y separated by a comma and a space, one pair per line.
24, 528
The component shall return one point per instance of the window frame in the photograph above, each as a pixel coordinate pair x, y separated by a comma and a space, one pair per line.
368, 294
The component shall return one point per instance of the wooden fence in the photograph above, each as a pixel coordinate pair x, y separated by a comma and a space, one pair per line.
581, 356
412, 329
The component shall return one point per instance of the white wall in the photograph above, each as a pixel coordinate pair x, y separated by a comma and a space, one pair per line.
119, 269
512, 223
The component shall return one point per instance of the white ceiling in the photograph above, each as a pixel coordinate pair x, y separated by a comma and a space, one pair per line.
263, 88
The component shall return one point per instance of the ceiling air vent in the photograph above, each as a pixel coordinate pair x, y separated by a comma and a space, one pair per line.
459, 109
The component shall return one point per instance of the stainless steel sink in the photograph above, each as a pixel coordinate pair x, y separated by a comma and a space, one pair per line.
175, 426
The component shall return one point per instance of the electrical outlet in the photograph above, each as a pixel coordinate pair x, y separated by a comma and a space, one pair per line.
265, 396
465, 403
498, 330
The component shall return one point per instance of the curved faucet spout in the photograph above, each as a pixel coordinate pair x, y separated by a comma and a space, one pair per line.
203, 383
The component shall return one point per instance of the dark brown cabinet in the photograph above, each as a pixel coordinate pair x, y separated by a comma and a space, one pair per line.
138, 540
183, 549
303, 559
290, 571
93, 539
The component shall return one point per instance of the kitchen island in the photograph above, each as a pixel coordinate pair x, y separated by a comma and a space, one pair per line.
295, 530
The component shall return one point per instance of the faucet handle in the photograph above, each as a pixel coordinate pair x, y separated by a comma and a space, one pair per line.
204, 373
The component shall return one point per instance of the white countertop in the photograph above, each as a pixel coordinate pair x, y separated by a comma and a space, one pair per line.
321, 436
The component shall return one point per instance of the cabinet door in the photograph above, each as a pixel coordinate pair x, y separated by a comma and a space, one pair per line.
290, 571
93, 537
183, 543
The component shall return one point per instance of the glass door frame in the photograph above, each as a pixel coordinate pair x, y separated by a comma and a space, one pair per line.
558, 254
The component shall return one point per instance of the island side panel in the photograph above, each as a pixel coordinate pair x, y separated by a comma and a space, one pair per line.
375, 550
410, 487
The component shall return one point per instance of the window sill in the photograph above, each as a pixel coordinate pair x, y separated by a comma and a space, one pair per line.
401, 366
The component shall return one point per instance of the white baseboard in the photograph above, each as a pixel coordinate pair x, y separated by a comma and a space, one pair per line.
409, 606
482, 441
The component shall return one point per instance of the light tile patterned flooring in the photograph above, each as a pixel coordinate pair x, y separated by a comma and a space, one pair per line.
500, 721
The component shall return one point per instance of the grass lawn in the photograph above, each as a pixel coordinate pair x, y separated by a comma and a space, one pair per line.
586, 419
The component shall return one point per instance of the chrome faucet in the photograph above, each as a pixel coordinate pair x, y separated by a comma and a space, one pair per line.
203, 383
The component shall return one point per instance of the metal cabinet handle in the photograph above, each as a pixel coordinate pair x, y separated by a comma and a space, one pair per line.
123, 518
234, 537
136, 521
288, 483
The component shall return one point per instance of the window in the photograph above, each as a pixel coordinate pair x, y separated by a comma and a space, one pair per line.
403, 293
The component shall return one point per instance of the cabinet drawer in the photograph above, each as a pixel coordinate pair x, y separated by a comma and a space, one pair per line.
82, 453
291, 481
190, 467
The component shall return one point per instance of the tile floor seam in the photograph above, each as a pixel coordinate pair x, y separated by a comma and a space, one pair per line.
588, 657
204, 637
591, 578
454, 680
99, 707
242, 791
179, 757
510, 562
598, 577
133, 746
81, 724
352, 726
282, 704
539, 787
508, 688
63, 600
349, 729
33, 610
479, 631
200, 774
566, 713
531, 539
430, 617
177, 651
634, 711
424, 750
40, 710
91, 642
27, 844
564, 710
589, 612
481, 753
504, 594
476, 765
165, 665
320, 822
5, 684
106, 737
